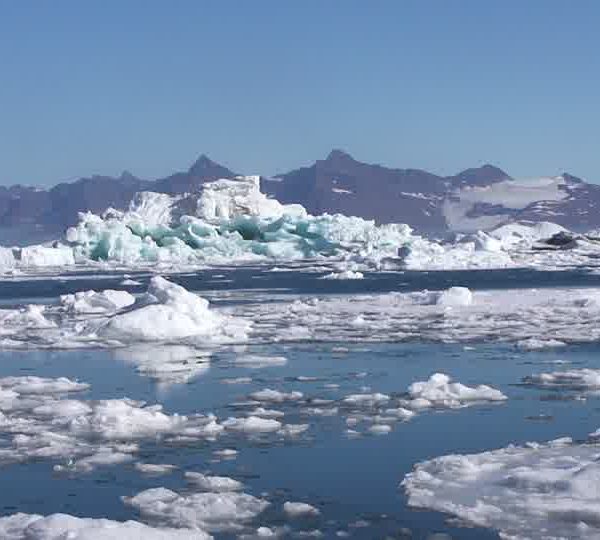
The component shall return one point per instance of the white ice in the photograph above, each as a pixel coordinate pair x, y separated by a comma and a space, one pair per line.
440, 391
65, 527
578, 379
299, 509
532, 492
211, 512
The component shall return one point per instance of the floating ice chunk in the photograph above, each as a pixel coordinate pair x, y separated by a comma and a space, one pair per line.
205, 511
258, 361
96, 302
28, 385
320, 411
26, 318
125, 419
537, 344
439, 391
293, 430
580, 379
252, 424
299, 509
380, 429
63, 527
154, 469
275, 396
169, 313
346, 274
266, 413
455, 297
400, 413
215, 484
102, 458
366, 400
237, 380
538, 491
129, 283
226, 453
42, 256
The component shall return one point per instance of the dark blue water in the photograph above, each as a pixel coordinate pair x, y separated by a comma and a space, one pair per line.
348, 479
298, 282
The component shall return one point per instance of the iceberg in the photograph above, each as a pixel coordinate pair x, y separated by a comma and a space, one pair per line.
232, 220
213, 512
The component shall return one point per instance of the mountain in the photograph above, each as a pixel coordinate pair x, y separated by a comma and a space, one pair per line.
480, 197
339, 183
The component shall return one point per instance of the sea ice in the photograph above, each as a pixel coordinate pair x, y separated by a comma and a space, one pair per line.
578, 379
215, 484
440, 391
62, 527
211, 512
346, 274
252, 424
532, 492
275, 396
299, 509
168, 312
96, 302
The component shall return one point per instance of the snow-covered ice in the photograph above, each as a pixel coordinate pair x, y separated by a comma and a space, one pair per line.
440, 391
299, 509
211, 512
573, 379
532, 492
62, 527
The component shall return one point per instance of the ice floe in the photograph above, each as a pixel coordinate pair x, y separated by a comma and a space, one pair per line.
62, 526
346, 274
167, 312
96, 302
440, 391
299, 509
574, 379
212, 512
528, 318
532, 492
215, 484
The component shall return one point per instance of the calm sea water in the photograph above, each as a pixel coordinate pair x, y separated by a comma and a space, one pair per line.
349, 479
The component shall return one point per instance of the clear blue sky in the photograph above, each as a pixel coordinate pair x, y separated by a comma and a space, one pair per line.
264, 86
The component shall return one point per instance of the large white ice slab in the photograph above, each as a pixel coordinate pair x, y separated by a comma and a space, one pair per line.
533, 492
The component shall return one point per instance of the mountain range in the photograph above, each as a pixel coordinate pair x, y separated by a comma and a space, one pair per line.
476, 198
